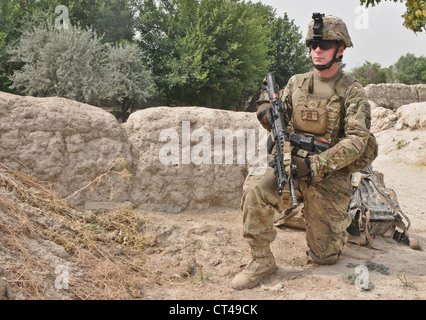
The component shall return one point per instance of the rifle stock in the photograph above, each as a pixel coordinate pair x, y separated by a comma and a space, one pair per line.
280, 137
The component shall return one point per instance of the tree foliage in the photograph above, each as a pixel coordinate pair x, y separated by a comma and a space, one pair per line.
414, 17
63, 63
372, 73
208, 52
127, 81
410, 69
202, 52
216, 52
113, 19
74, 63
290, 55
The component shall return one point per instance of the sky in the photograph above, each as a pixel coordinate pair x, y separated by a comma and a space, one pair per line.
377, 32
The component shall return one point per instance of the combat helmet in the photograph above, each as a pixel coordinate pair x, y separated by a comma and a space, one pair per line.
329, 28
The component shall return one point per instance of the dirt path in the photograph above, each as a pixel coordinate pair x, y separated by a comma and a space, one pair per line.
200, 252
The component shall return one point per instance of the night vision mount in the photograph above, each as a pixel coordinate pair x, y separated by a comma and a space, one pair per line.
318, 25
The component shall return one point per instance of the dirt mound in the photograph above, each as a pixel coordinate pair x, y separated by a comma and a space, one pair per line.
66, 142
193, 157
188, 157
49, 250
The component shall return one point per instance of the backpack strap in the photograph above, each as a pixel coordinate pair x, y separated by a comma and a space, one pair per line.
366, 233
365, 237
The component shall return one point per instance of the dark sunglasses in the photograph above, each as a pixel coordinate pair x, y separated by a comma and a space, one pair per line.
323, 44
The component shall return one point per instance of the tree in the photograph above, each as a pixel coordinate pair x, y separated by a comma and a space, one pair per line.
3, 74
410, 69
222, 55
414, 17
111, 18
157, 34
289, 52
74, 63
127, 81
63, 63
208, 52
216, 52
371, 73
9, 12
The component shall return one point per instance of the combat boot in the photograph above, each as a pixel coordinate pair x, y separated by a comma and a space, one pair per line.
261, 265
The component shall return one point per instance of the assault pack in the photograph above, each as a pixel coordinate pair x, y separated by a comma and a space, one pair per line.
374, 210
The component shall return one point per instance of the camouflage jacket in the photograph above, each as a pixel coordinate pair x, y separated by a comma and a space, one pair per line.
347, 120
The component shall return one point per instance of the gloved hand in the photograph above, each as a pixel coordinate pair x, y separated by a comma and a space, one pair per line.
262, 113
303, 166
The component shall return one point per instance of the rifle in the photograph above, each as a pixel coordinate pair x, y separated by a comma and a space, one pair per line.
280, 138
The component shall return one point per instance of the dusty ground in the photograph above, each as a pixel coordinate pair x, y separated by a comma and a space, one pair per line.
195, 254
202, 251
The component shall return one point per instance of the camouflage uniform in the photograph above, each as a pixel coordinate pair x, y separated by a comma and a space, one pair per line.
334, 110
327, 196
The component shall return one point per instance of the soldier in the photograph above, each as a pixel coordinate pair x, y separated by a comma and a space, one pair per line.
329, 112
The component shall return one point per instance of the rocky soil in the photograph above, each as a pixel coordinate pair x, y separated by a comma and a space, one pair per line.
194, 255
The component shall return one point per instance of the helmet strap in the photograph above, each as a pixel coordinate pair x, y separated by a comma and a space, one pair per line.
327, 66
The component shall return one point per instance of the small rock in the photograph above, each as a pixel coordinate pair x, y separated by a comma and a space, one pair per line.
89, 216
393, 117
217, 262
415, 244
398, 126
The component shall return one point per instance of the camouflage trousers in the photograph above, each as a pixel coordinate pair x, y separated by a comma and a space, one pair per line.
325, 212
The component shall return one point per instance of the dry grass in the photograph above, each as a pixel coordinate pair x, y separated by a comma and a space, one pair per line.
119, 168
13, 235
130, 227
29, 209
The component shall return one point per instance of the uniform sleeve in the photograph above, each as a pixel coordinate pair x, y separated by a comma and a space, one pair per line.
357, 124
286, 97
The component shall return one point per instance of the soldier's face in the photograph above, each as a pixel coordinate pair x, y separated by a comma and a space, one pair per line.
324, 56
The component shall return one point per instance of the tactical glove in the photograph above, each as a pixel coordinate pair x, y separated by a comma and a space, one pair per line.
303, 166
262, 113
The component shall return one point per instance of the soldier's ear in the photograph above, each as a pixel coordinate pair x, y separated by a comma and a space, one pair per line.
340, 52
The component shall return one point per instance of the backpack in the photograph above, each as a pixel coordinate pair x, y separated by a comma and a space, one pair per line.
374, 210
